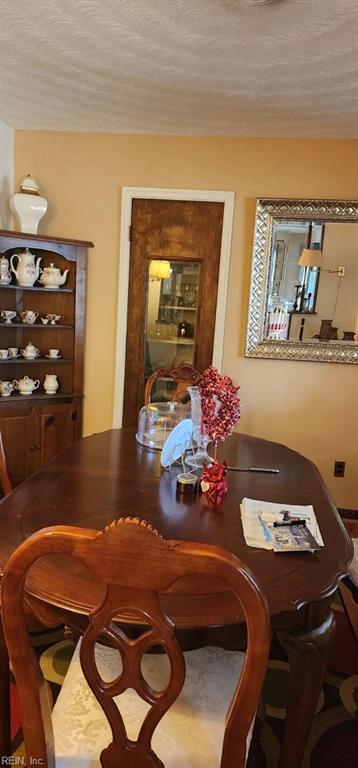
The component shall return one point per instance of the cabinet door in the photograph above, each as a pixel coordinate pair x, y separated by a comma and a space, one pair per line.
55, 430
18, 431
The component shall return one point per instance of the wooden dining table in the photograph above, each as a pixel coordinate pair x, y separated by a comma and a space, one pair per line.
110, 475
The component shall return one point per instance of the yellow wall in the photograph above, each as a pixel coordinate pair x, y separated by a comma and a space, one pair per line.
6, 173
312, 407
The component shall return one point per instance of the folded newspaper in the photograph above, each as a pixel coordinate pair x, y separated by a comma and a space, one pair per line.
280, 527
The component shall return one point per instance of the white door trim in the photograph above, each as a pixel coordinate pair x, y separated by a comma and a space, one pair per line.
128, 194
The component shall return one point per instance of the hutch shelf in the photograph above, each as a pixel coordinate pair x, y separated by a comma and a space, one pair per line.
36, 427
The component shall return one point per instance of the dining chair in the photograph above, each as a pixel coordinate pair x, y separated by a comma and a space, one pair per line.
348, 587
184, 376
133, 708
35, 625
6, 486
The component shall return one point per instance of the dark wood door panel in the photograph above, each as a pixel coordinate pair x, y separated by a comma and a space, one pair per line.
55, 430
177, 230
18, 433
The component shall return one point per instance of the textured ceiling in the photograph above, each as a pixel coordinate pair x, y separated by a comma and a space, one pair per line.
217, 67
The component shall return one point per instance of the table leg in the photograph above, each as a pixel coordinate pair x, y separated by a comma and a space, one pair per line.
5, 737
308, 655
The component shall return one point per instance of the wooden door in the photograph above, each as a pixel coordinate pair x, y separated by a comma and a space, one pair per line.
18, 430
175, 232
55, 430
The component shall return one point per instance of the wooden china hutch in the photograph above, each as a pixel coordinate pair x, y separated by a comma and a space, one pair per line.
37, 426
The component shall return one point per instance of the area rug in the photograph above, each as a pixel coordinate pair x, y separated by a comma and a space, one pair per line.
333, 740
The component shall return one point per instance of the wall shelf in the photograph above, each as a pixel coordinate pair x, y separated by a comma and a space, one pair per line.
24, 361
35, 396
30, 326
36, 288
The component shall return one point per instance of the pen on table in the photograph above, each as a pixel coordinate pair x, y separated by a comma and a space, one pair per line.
288, 522
269, 470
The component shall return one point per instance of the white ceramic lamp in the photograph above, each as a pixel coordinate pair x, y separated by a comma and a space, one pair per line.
28, 206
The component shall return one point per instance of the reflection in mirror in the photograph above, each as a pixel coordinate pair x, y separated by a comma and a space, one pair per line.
304, 288
291, 282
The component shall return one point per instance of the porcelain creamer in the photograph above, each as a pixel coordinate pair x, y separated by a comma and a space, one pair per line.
51, 383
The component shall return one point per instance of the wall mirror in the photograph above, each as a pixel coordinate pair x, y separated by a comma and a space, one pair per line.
304, 281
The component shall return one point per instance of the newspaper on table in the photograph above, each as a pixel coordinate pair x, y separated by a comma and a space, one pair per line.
280, 527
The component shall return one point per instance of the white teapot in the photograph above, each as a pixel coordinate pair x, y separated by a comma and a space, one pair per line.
26, 385
28, 269
29, 316
30, 351
51, 276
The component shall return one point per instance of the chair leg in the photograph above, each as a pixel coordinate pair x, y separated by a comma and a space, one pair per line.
5, 734
259, 722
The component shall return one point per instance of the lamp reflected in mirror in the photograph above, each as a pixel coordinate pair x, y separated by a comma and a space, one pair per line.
312, 260
159, 270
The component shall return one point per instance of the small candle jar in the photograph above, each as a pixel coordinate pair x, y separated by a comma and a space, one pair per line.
187, 482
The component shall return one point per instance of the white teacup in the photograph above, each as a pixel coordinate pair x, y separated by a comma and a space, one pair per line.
6, 388
13, 351
4, 353
54, 352
8, 315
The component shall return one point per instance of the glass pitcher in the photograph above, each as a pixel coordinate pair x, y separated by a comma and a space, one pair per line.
199, 458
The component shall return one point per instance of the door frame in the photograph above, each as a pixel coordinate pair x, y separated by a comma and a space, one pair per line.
195, 195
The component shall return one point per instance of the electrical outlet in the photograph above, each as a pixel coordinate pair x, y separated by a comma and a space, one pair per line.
339, 468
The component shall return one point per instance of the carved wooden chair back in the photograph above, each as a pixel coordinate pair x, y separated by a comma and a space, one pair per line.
348, 587
184, 376
4, 475
116, 556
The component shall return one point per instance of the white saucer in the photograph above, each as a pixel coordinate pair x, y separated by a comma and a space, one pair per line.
177, 442
49, 357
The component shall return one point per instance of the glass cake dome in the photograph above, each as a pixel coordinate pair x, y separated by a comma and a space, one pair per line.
157, 420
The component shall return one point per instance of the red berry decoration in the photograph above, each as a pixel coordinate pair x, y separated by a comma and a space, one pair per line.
220, 404
220, 411
214, 482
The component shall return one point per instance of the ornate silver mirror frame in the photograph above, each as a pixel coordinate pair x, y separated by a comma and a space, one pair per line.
267, 212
